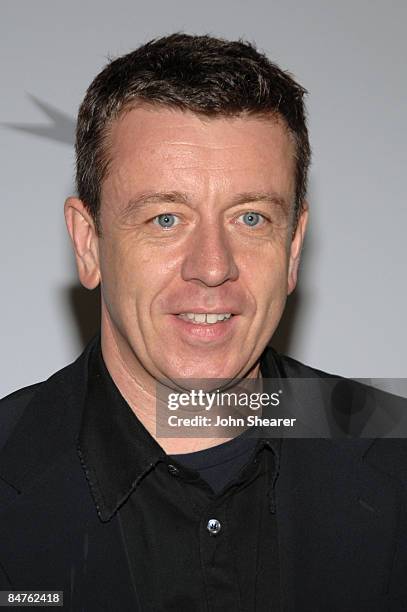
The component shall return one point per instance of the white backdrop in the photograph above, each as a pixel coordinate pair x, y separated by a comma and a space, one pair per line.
348, 314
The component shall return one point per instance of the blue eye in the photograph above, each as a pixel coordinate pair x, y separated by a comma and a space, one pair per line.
165, 220
252, 218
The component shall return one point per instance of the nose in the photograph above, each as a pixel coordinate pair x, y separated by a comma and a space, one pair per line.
209, 259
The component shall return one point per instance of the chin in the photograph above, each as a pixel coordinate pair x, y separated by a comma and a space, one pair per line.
199, 372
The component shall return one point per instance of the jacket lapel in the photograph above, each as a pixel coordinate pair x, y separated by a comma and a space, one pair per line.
339, 509
47, 509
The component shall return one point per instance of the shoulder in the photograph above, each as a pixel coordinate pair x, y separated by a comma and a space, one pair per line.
12, 407
38, 401
343, 410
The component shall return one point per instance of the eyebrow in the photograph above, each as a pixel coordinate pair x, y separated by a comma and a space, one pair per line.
262, 196
155, 197
144, 199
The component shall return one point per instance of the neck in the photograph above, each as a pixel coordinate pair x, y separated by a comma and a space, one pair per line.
139, 390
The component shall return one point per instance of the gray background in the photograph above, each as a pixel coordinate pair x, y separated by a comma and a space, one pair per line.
348, 314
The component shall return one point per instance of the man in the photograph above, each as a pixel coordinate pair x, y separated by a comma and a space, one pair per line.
192, 161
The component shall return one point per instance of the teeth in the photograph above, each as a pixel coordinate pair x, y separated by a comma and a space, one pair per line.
206, 318
212, 318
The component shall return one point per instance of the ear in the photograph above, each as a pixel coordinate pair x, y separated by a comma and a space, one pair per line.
82, 231
295, 248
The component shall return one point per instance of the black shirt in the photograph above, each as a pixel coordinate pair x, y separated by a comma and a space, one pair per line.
200, 528
219, 464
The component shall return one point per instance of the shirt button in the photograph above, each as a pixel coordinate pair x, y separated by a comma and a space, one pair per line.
173, 469
213, 526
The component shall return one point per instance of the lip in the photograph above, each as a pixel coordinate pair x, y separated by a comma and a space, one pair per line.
217, 310
204, 332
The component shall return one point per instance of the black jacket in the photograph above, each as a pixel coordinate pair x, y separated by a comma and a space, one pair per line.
341, 511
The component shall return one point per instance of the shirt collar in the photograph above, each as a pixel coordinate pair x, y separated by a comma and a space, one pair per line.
116, 450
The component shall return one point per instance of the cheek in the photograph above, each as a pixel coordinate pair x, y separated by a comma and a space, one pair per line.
118, 276
122, 263
265, 275
133, 275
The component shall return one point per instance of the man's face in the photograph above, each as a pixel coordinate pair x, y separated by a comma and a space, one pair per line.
196, 216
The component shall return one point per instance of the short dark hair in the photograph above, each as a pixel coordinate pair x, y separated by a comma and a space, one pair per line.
205, 75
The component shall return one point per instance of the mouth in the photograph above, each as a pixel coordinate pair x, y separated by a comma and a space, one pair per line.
211, 327
205, 318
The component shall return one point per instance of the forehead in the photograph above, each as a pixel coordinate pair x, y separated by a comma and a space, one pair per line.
161, 148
